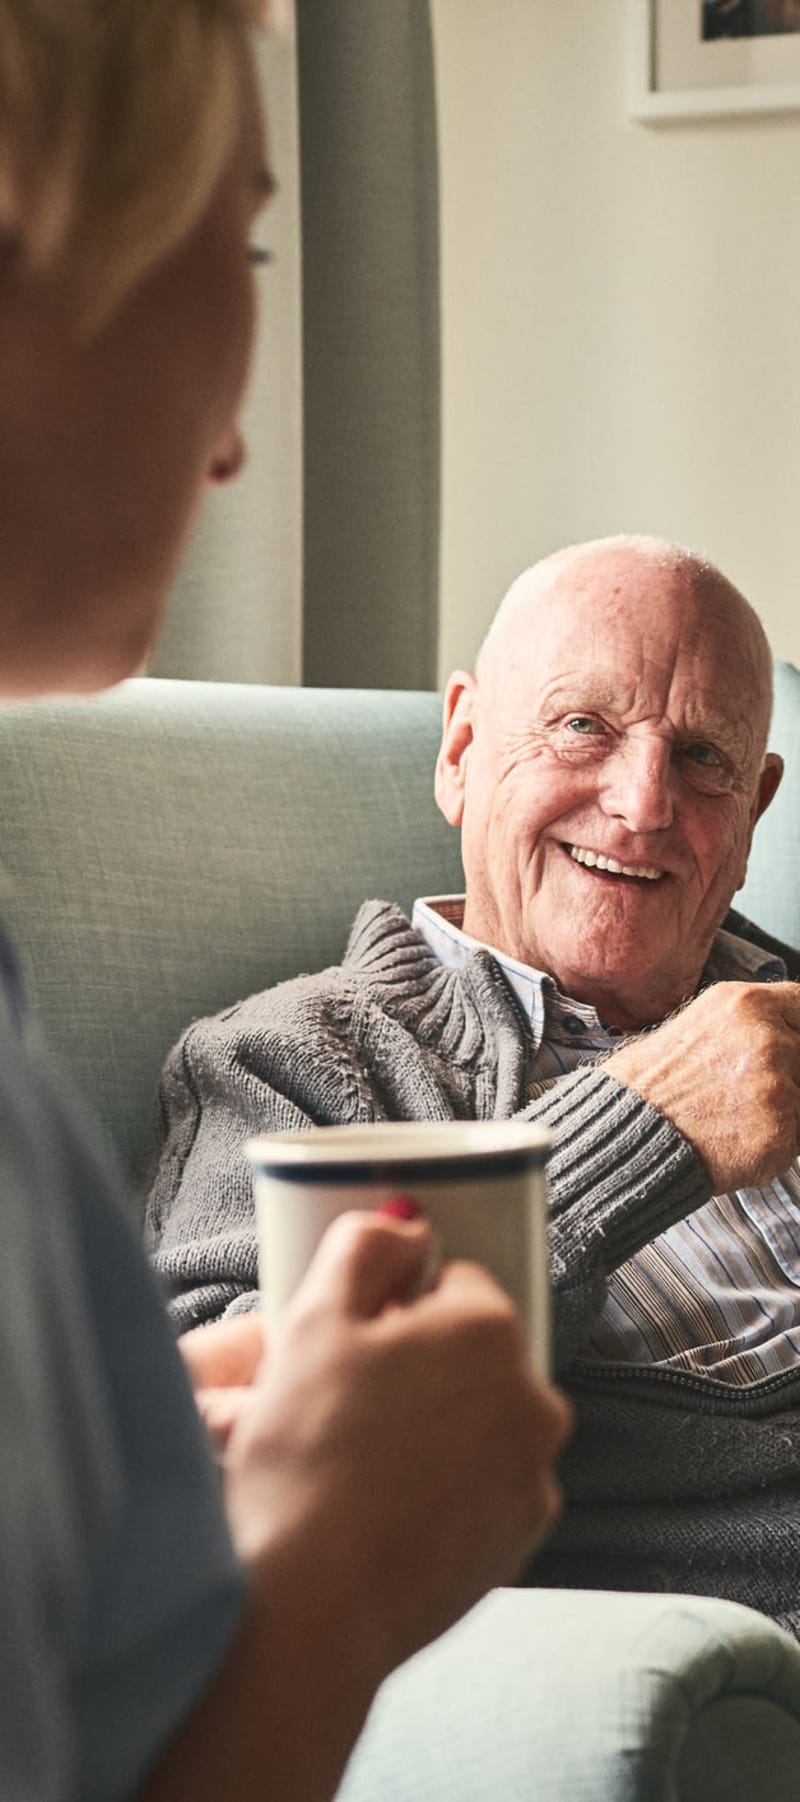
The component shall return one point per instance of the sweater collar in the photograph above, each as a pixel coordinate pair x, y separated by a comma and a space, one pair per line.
437, 919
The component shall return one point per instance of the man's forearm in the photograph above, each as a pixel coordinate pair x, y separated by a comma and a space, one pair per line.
707, 1102
619, 1174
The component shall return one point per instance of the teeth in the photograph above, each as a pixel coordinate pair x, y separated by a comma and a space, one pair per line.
595, 861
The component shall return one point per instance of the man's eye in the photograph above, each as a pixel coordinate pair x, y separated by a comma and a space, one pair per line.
705, 755
584, 726
708, 768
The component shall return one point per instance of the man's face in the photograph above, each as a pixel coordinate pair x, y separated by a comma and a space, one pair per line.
607, 769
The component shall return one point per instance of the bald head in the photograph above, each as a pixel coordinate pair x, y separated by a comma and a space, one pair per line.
647, 579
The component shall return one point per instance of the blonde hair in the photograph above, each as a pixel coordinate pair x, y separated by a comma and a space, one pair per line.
116, 120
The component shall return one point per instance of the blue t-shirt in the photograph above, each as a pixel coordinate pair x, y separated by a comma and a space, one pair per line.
119, 1587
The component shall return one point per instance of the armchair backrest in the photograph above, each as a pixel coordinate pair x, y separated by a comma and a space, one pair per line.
175, 846
771, 894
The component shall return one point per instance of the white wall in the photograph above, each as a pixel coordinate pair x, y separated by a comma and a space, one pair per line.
621, 316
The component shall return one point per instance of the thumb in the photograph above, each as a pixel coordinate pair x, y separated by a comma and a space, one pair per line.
364, 1262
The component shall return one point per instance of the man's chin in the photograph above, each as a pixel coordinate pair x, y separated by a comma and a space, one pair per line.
624, 986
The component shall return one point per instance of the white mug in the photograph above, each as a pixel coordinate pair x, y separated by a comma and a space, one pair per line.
480, 1183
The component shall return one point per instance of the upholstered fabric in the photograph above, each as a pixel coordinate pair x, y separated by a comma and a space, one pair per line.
174, 846
540, 1697
771, 894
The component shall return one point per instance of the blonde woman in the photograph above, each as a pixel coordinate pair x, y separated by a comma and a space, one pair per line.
154, 1642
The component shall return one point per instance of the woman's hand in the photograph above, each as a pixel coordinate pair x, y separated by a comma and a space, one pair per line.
388, 1463
222, 1361
399, 1445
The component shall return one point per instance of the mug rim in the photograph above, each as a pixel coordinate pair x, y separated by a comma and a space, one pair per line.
368, 1152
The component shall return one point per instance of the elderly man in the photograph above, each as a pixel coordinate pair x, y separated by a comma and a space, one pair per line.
606, 765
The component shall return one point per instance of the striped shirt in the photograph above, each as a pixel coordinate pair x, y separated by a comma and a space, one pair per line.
717, 1294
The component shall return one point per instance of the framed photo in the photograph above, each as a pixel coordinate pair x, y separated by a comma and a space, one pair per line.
712, 58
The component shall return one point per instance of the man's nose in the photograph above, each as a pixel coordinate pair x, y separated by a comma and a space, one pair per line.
636, 787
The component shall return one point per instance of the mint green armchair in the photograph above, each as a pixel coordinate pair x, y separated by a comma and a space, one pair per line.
174, 846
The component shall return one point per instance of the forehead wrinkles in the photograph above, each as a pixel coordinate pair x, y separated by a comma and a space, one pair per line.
688, 673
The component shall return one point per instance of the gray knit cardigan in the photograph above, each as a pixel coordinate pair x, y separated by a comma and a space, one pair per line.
673, 1481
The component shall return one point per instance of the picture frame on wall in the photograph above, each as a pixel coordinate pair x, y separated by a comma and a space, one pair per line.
695, 59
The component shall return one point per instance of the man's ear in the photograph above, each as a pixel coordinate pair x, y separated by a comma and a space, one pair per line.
457, 728
768, 784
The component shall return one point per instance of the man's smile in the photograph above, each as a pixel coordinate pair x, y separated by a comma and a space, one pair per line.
594, 860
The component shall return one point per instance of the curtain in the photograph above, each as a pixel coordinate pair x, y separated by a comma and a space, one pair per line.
321, 564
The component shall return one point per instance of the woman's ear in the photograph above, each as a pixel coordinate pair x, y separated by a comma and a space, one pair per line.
457, 732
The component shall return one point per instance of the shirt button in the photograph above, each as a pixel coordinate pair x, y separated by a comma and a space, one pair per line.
573, 1026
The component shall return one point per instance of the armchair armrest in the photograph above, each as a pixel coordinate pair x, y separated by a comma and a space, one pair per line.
570, 1696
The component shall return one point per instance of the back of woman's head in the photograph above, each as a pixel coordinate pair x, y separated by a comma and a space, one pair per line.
116, 119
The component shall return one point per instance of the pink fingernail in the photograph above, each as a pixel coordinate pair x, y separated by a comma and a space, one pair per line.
401, 1207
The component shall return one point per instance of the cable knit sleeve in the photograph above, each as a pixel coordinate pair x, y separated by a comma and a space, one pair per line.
619, 1174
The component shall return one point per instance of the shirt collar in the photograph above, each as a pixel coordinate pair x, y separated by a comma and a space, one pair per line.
732, 959
438, 920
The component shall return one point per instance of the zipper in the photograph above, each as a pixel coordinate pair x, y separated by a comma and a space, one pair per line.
713, 1397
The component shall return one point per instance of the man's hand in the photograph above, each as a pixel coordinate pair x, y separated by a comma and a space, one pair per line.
726, 1072
402, 1450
